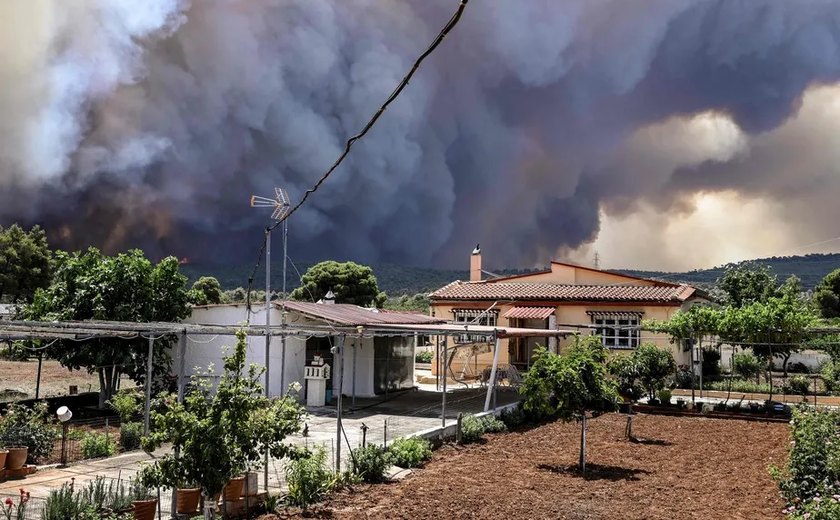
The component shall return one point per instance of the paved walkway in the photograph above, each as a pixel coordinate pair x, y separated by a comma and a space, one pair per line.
403, 414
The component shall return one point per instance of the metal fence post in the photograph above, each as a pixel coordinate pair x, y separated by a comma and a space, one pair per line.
458, 428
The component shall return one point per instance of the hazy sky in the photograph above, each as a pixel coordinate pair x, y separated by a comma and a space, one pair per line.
667, 134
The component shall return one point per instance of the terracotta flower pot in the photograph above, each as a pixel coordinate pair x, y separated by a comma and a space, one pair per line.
145, 509
251, 486
186, 500
3, 453
233, 489
16, 457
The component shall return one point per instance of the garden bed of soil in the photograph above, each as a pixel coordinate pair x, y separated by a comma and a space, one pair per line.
681, 468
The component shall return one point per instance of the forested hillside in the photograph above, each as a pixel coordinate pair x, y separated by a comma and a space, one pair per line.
397, 280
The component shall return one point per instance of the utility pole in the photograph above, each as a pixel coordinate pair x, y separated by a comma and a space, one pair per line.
280, 204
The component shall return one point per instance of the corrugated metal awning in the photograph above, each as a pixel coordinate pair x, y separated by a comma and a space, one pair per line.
530, 313
622, 315
474, 313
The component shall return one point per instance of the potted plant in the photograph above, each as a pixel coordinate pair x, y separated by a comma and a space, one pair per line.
217, 434
143, 502
170, 474
3, 453
16, 457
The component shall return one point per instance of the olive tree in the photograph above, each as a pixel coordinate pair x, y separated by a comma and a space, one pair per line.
571, 385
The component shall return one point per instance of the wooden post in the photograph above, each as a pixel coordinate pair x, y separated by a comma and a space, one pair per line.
583, 443
38, 378
458, 428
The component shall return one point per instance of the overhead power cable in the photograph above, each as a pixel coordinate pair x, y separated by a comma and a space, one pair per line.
453, 21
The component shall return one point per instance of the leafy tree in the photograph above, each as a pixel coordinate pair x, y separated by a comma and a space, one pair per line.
571, 385
220, 434
775, 327
827, 295
645, 371
126, 287
237, 295
625, 370
349, 281
206, 291
24, 263
418, 303
655, 366
746, 282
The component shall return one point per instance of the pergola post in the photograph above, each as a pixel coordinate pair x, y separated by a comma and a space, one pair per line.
491, 387
148, 385
338, 361
445, 377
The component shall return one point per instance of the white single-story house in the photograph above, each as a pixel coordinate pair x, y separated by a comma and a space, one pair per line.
373, 366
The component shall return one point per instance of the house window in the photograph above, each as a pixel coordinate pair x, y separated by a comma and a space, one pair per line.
474, 317
618, 330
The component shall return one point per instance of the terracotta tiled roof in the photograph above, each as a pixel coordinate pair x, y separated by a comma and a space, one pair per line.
562, 292
530, 313
353, 315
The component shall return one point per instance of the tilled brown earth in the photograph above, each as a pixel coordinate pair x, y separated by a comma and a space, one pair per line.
682, 468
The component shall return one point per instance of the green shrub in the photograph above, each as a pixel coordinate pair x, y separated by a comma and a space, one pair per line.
424, 356
683, 377
62, 504
821, 508
746, 365
472, 428
711, 364
410, 452
309, 479
830, 372
797, 384
126, 403
130, 433
95, 445
665, 396
738, 385
513, 417
30, 427
369, 463
270, 503
493, 424
813, 467
625, 370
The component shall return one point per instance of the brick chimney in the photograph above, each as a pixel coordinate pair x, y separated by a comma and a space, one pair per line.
475, 264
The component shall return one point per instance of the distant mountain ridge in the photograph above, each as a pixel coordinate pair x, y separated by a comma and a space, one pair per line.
808, 268
398, 280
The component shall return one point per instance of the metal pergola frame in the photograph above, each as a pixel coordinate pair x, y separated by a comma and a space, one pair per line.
16, 330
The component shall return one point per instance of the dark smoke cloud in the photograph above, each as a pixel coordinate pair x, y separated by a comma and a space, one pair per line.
129, 124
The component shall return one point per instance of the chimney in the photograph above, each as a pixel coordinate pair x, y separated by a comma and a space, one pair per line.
475, 264
329, 298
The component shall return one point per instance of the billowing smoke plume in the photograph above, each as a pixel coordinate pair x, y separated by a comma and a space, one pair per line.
151, 123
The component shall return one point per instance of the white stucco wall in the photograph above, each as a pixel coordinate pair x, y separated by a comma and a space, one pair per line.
363, 351
203, 350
